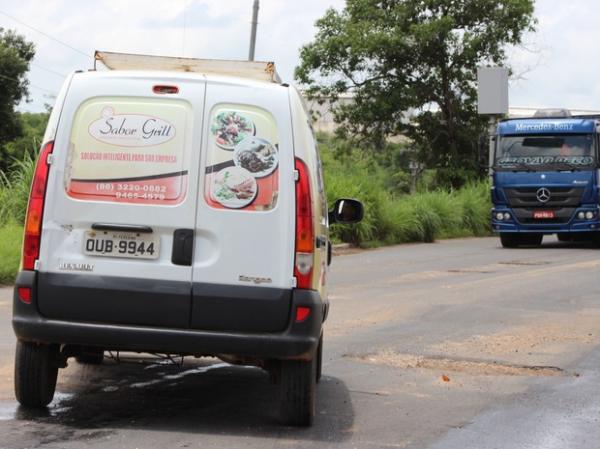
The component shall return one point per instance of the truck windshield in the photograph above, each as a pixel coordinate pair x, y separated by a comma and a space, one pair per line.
545, 152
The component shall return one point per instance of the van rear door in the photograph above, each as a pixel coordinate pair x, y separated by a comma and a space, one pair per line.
244, 251
121, 200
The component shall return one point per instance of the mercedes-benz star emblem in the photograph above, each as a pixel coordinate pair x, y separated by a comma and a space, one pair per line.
543, 195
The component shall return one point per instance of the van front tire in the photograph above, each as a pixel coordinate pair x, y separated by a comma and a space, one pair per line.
36, 370
298, 389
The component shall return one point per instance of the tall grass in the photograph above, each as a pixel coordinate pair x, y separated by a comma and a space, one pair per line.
392, 217
10, 251
14, 192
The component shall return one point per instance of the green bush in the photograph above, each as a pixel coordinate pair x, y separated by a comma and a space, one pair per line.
10, 252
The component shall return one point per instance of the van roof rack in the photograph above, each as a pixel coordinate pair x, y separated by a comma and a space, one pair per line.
261, 71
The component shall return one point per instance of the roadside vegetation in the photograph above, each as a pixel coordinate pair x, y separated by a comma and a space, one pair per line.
382, 181
379, 178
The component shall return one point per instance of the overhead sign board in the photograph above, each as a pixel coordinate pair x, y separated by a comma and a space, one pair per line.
492, 90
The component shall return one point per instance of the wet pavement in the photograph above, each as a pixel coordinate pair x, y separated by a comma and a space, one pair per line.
458, 344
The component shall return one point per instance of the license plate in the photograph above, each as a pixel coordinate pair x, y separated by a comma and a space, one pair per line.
121, 244
543, 214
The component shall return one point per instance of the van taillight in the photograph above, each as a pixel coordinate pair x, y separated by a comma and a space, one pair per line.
35, 209
304, 229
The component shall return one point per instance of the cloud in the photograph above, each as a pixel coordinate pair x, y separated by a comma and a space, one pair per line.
561, 71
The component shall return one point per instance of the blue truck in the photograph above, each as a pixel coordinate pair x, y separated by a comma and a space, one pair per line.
545, 175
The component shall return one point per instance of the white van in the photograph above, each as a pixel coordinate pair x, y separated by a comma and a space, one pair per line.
177, 207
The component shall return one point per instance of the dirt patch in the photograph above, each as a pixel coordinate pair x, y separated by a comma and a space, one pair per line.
539, 339
473, 368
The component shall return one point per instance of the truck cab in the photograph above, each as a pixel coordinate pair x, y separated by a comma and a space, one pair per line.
545, 179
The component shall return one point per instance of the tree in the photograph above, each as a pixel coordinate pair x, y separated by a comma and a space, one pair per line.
15, 55
419, 56
33, 126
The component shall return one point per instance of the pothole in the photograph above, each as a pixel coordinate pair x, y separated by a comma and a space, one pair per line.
471, 367
525, 262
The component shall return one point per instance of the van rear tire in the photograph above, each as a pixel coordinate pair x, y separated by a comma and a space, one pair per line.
90, 356
298, 390
36, 370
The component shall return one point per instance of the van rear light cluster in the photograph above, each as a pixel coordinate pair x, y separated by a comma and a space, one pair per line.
303, 268
35, 209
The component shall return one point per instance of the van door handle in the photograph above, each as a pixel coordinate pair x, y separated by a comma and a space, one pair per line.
183, 246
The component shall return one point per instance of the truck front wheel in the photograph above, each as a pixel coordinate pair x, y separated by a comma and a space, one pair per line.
36, 370
510, 240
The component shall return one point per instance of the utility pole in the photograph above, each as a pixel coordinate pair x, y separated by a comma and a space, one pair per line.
253, 30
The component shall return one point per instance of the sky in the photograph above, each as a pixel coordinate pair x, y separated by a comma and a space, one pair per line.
556, 66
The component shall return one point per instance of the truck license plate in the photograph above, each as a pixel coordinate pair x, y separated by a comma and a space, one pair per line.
543, 214
121, 244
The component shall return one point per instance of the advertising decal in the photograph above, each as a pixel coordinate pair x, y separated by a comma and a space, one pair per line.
129, 150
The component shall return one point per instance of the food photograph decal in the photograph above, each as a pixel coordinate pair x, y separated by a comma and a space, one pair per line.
243, 159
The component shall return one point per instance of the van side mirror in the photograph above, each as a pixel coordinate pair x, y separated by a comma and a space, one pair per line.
346, 211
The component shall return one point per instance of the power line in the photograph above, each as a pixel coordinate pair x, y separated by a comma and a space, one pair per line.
32, 85
46, 35
62, 75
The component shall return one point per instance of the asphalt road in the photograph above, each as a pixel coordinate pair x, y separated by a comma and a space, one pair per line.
458, 344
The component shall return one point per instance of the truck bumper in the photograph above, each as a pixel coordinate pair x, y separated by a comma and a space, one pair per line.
298, 340
573, 225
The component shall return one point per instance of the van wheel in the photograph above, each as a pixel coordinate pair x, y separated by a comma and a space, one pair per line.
36, 370
90, 356
319, 359
298, 390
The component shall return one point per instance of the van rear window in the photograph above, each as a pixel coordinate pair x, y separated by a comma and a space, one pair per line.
129, 150
242, 159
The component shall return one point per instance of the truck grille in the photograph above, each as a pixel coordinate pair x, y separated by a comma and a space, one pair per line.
559, 197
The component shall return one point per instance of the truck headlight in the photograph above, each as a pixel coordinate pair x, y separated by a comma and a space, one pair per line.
506, 216
589, 215
499, 216
581, 215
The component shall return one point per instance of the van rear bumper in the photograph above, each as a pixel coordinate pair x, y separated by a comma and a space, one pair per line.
298, 340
